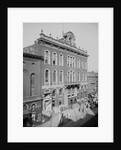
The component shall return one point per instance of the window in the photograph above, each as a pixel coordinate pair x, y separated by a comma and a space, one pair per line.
82, 77
54, 58
78, 76
71, 74
61, 59
78, 63
74, 62
47, 57
68, 61
85, 65
68, 76
54, 75
82, 64
61, 76
60, 92
71, 62
47, 77
26, 83
74, 76
32, 84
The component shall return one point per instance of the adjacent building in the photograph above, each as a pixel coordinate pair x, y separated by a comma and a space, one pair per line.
92, 78
54, 71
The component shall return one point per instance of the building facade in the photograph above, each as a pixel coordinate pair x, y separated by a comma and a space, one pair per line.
92, 78
61, 78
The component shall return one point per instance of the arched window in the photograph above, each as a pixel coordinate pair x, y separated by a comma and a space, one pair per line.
85, 77
54, 58
47, 57
32, 84
26, 83
82, 77
47, 77
68, 61
78, 76
61, 60
74, 62
68, 76
82, 63
74, 76
85, 66
71, 63
61, 76
78, 63
71, 74
54, 76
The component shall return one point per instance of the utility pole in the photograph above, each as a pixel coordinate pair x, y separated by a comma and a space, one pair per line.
62, 29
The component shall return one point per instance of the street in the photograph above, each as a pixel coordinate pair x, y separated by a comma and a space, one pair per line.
88, 121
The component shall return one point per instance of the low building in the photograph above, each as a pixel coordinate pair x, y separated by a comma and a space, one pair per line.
31, 88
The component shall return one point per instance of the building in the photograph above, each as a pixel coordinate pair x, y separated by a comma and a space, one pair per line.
92, 78
31, 88
61, 79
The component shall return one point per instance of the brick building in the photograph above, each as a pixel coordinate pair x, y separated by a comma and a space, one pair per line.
31, 88
61, 77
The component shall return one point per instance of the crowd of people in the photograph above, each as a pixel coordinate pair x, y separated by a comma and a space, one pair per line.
90, 102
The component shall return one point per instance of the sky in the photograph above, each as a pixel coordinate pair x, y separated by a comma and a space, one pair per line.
86, 35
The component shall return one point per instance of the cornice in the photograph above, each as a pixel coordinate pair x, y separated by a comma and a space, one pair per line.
58, 43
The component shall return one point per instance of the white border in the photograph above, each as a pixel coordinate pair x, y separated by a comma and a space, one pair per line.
16, 17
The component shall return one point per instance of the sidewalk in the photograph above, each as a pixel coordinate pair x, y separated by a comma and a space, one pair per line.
53, 122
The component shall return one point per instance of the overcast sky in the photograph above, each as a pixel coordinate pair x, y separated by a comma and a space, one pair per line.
86, 35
